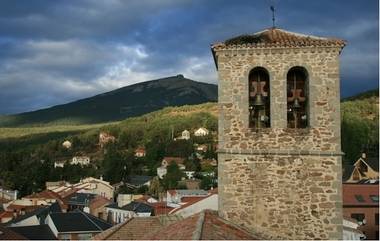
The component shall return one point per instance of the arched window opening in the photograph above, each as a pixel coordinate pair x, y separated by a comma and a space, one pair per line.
259, 98
297, 98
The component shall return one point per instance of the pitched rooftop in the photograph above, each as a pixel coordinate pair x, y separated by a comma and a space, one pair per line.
78, 221
204, 225
275, 37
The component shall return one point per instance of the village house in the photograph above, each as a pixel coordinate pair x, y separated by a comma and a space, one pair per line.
35, 217
8, 194
201, 132
105, 138
67, 144
161, 171
75, 225
81, 160
137, 181
87, 185
140, 152
166, 161
351, 229
361, 202
191, 205
59, 164
363, 169
98, 207
118, 214
185, 135
174, 197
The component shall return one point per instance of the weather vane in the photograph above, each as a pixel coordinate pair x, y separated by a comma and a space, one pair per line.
273, 19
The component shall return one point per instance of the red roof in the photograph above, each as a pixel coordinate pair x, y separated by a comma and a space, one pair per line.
6, 214
178, 160
99, 201
275, 37
46, 194
160, 208
205, 225
16, 207
360, 194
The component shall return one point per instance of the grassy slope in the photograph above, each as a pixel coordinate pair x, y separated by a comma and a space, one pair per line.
157, 118
360, 117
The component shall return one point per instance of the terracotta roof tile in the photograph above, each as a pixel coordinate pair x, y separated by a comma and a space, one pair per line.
275, 37
99, 201
205, 225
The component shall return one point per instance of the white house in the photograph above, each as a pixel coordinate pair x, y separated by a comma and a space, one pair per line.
118, 214
189, 174
174, 197
96, 186
350, 230
67, 144
81, 160
161, 171
196, 205
185, 135
201, 132
59, 164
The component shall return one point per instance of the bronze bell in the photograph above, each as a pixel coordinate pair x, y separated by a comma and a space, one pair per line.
258, 100
296, 104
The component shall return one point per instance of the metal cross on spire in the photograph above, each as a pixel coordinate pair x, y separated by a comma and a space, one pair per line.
273, 19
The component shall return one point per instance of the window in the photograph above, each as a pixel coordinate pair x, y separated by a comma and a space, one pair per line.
259, 98
376, 218
374, 198
359, 198
297, 98
358, 216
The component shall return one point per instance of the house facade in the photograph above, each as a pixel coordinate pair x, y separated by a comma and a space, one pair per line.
279, 150
185, 135
201, 132
363, 169
361, 202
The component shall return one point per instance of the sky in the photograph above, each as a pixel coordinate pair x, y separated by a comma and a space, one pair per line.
54, 52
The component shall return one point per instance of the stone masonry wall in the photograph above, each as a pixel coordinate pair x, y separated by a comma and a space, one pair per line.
280, 182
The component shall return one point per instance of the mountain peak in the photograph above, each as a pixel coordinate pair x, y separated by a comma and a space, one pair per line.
128, 101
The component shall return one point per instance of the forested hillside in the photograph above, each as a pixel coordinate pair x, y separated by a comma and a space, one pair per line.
360, 125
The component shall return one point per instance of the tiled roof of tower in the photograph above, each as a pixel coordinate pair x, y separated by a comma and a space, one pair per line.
275, 37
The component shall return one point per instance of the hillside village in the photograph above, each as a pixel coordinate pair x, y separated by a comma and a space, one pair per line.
174, 185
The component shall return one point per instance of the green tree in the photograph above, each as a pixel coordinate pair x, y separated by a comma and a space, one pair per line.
173, 175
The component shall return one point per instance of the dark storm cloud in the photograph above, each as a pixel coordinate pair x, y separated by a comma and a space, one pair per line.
53, 52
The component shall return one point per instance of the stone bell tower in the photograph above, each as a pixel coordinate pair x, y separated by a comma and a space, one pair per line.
279, 134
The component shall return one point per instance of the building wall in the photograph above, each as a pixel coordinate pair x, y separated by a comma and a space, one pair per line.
33, 220
370, 228
283, 183
209, 203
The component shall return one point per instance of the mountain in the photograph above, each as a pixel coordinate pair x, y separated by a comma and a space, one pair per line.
129, 101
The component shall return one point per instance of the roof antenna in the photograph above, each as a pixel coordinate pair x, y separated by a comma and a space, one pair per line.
273, 18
